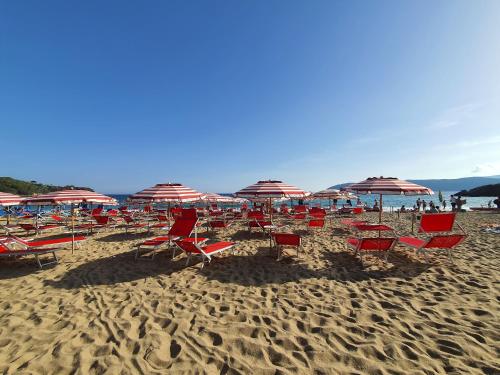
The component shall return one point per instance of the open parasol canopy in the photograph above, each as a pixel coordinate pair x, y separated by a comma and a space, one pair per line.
7, 199
388, 186
271, 189
69, 197
168, 193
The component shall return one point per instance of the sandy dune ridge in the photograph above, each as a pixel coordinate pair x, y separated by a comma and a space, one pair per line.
100, 311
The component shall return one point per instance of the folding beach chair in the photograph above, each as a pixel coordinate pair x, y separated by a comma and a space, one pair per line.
206, 252
316, 224
372, 245
33, 244
182, 228
439, 226
219, 224
6, 252
282, 240
131, 223
104, 222
38, 229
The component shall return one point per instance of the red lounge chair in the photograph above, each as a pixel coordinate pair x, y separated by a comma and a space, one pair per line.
105, 221
351, 222
40, 228
443, 242
299, 216
96, 212
300, 209
182, 228
206, 252
441, 224
282, 240
219, 224
372, 245
253, 219
315, 223
130, 223
40, 243
6, 252
358, 210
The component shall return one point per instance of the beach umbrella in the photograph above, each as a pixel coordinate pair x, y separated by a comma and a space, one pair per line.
271, 189
387, 186
7, 200
217, 198
167, 193
69, 197
332, 194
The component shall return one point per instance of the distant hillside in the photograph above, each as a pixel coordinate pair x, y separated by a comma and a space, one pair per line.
482, 191
13, 186
454, 184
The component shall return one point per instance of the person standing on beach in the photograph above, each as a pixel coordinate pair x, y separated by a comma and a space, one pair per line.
424, 205
453, 202
444, 204
419, 203
459, 203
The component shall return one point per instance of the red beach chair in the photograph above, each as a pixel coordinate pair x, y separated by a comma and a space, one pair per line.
130, 223
316, 223
6, 252
372, 245
283, 240
37, 229
441, 224
205, 251
182, 228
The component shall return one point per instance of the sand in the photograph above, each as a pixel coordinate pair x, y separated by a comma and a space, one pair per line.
100, 311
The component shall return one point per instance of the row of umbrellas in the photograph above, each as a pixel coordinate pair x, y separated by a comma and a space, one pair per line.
264, 190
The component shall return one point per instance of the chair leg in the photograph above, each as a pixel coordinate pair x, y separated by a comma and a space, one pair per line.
38, 261
187, 260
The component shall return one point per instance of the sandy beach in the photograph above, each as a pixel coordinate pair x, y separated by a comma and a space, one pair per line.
100, 311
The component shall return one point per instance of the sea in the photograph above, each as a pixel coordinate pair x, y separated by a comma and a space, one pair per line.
390, 202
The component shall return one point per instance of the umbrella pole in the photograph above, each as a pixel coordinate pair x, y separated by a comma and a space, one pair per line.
380, 210
270, 209
72, 230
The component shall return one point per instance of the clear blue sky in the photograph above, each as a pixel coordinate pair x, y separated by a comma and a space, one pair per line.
219, 94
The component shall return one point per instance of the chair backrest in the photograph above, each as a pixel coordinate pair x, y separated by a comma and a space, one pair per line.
301, 216
56, 217
257, 215
188, 213
357, 210
101, 220
316, 223
112, 212
128, 219
182, 227
442, 222
377, 243
300, 208
96, 211
287, 239
445, 242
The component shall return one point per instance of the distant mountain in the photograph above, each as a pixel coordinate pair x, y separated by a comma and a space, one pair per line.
482, 191
453, 184
13, 186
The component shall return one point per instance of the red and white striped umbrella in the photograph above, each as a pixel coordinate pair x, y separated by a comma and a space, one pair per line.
213, 197
177, 193
69, 197
387, 186
271, 189
7, 199
332, 194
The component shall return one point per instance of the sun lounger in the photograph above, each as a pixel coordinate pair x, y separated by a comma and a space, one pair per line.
130, 223
372, 245
182, 228
37, 229
41, 243
439, 226
282, 240
206, 252
6, 252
